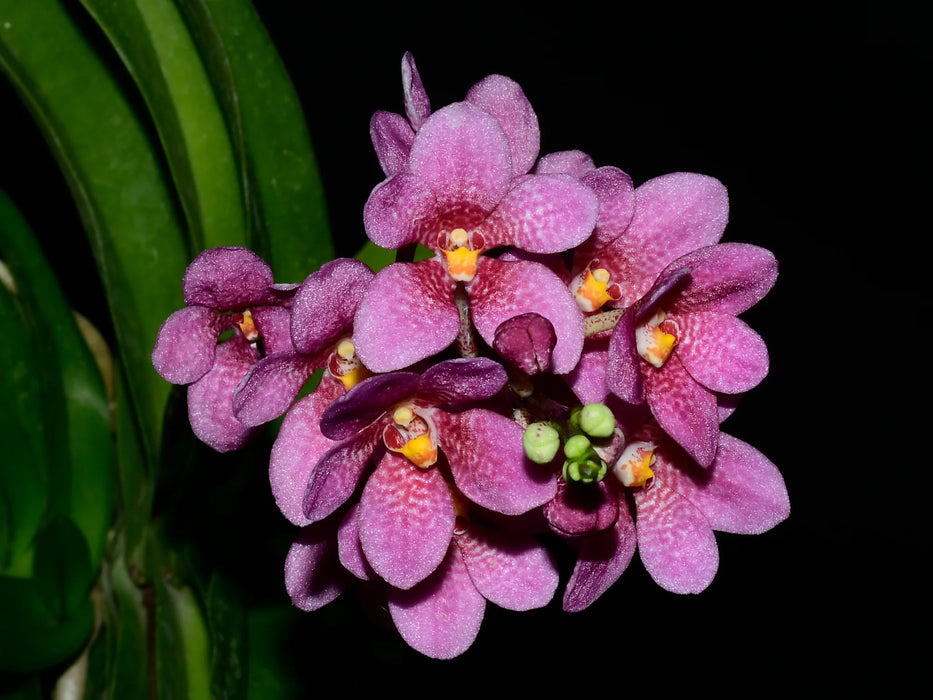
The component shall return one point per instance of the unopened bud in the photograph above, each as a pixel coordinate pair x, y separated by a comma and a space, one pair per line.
541, 442
596, 420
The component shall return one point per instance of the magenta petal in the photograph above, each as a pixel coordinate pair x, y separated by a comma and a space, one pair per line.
349, 548
326, 302
442, 615
502, 290
463, 155
576, 163
623, 368
685, 409
489, 464
675, 541
210, 399
408, 314
186, 343
461, 379
616, 197
312, 575
270, 386
741, 492
727, 277
226, 278
543, 214
601, 560
526, 342
721, 351
396, 210
298, 447
417, 104
581, 509
504, 99
392, 137
406, 521
511, 569
369, 400
588, 378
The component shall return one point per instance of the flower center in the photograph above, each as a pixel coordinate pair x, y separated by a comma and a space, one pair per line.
462, 251
410, 435
655, 340
245, 323
633, 468
343, 364
591, 288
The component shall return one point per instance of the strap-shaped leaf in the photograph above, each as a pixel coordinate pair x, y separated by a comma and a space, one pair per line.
113, 170
284, 195
154, 42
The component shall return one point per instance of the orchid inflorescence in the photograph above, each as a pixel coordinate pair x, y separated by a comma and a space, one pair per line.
555, 368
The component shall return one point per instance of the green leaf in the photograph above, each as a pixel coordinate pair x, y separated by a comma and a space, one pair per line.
62, 567
154, 42
229, 647
124, 633
182, 643
114, 172
284, 194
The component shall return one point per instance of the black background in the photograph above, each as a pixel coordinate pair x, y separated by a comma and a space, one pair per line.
816, 121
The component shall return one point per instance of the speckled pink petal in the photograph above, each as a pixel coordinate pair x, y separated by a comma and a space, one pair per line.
502, 290
369, 400
326, 302
397, 209
601, 560
720, 351
623, 364
581, 509
442, 615
406, 520
312, 575
391, 135
616, 195
298, 446
225, 278
488, 463
675, 541
210, 399
674, 214
727, 277
464, 156
270, 386
511, 569
588, 378
186, 343
741, 492
408, 314
573, 162
339, 471
349, 548
274, 326
417, 104
543, 214
504, 99
685, 409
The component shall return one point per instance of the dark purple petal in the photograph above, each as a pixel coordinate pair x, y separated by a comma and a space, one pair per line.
408, 314
504, 99
727, 278
442, 615
369, 399
186, 343
601, 560
326, 302
270, 387
392, 136
274, 326
463, 379
526, 342
511, 569
581, 509
623, 368
406, 520
226, 278
502, 290
312, 572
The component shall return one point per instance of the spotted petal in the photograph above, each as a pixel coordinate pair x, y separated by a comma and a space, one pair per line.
463, 379
623, 364
226, 278
503, 98
675, 540
406, 520
442, 615
396, 210
270, 386
186, 343
348, 545
392, 136
727, 277
312, 573
408, 314
369, 400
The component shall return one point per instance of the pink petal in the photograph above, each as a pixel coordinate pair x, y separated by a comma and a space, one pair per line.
392, 136
686, 410
275, 328
186, 343
417, 104
349, 548
576, 163
298, 447
581, 509
741, 492
406, 521
312, 575
624, 366
270, 386
675, 540
210, 399
543, 214
602, 559
721, 351
504, 99
588, 378
502, 290
226, 278
397, 209
727, 277
513, 570
464, 157
408, 314
488, 462
442, 615
616, 196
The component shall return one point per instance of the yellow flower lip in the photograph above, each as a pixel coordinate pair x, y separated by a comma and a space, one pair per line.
592, 289
420, 451
461, 258
633, 467
410, 434
653, 343
346, 366
246, 324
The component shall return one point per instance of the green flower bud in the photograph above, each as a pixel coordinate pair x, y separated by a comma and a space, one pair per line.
585, 471
577, 447
541, 442
597, 420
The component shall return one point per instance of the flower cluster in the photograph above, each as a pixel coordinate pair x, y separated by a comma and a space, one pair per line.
554, 369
